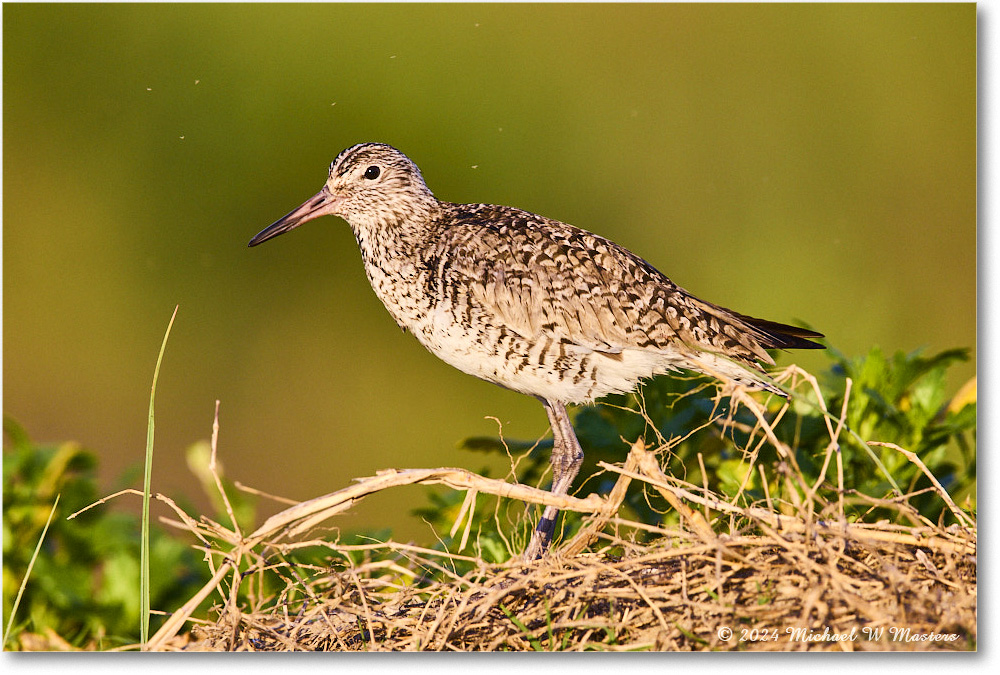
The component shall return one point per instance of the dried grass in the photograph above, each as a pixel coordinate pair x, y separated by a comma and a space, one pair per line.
786, 576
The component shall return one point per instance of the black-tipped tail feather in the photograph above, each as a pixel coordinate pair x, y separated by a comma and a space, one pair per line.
782, 336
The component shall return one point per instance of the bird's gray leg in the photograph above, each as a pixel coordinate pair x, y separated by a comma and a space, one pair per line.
566, 458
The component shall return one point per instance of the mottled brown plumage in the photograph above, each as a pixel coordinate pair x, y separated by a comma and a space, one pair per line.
530, 303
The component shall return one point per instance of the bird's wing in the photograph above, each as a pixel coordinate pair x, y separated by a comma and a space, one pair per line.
542, 278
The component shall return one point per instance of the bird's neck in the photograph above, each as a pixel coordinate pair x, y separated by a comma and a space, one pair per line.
394, 252
396, 235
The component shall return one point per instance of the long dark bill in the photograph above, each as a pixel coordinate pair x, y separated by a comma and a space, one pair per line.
319, 205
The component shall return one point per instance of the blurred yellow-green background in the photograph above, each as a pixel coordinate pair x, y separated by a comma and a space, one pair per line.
795, 162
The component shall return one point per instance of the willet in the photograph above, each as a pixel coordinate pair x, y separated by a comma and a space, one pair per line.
530, 303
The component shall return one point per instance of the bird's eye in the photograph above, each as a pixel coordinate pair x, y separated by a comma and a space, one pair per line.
372, 172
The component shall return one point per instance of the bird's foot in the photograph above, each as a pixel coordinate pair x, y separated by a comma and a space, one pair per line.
540, 539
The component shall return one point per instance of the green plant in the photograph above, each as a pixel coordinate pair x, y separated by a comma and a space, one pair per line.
27, 572
902, 400
144, 581
85, 583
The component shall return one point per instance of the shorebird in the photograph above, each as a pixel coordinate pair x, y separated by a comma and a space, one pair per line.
530, 303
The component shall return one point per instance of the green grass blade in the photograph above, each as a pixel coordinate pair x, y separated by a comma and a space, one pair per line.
535, 644
144, 546
27, 572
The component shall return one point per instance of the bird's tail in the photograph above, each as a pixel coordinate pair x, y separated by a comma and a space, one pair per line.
746, 371
774, 335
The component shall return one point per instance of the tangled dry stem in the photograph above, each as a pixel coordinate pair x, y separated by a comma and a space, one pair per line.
769, 576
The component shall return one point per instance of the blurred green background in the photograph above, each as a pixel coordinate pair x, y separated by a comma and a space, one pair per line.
794, 162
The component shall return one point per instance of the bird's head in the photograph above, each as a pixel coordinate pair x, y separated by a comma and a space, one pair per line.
370, 185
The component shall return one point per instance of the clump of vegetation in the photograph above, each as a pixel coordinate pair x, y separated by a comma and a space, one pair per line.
84, 586
759, 473
707, 440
